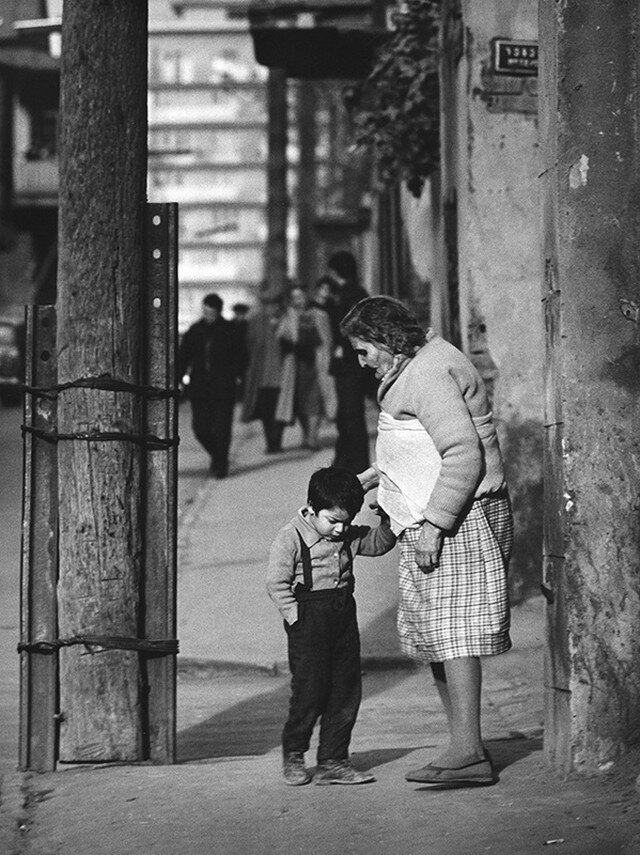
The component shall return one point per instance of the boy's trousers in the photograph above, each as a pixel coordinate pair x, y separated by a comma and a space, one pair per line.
324, 659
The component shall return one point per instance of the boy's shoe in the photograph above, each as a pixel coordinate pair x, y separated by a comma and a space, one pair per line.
340, 772
295, 774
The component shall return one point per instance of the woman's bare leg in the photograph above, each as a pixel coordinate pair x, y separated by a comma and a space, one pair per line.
440, 679
460, 693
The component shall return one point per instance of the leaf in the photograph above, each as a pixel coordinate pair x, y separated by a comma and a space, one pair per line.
395, 111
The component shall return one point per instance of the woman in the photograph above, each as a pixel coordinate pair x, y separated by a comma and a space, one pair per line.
300, 396
262, 379
319, 309
440, 478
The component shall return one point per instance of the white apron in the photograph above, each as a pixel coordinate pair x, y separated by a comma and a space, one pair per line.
406, 455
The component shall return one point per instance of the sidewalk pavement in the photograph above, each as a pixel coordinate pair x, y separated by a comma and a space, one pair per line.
225, 795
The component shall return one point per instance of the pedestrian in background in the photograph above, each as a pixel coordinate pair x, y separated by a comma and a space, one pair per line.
352, 443
300, 396
240, 321
310, 579
262, 379
213, 357
320, 308
240, 315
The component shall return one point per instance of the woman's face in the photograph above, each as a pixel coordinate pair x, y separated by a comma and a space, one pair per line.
372, 354
298, 298
322, 293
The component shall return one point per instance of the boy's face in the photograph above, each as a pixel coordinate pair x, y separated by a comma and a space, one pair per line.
330, 523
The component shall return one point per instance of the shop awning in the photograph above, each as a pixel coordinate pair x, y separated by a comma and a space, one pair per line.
312, 40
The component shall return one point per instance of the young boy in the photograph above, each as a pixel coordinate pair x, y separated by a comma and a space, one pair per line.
310, 579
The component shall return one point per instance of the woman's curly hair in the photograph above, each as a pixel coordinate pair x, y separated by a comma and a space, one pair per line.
386, 321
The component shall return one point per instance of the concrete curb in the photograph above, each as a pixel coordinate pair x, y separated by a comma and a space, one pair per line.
191, 667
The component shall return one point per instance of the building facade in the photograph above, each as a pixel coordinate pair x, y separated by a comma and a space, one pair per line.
476, 236
208, 147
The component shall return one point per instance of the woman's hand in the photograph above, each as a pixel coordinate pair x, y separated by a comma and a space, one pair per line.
375, 507
369, 479
428, 547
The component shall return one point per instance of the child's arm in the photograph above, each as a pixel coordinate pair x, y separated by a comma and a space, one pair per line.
378, 540
283, 558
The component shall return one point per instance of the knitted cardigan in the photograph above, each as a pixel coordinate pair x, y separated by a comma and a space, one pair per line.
442, 389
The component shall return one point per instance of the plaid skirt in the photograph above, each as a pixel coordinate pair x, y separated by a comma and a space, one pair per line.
462, 607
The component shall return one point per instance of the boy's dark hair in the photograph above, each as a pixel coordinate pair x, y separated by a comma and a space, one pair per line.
332, 487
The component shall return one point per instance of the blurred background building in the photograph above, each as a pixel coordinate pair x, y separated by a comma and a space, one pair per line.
29, 89
208, 149
208, 146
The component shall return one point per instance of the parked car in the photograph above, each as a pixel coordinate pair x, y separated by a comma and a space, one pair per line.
11, 360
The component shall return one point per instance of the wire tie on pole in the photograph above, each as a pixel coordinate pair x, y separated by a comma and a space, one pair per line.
153, 443
151, 647
103, 382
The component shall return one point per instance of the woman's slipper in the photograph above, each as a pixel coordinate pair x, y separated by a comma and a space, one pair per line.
479, 772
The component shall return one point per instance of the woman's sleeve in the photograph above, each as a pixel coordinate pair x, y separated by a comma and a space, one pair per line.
440, 406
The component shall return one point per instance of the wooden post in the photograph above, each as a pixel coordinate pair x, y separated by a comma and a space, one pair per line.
39, 572
277, 203
161, 313
591, 230
100, 274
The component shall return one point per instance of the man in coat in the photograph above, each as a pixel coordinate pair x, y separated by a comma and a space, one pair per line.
213, 355
352, 444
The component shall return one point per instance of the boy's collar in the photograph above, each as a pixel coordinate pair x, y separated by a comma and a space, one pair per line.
308, 532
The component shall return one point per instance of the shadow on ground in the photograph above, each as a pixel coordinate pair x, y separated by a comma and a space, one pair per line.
254, 725
505, 752
247, 728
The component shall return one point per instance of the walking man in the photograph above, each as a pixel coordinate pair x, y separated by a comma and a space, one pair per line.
214, 357
352, 444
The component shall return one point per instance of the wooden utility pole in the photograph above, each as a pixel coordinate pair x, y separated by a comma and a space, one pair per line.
591, 230
277, 198
100, 275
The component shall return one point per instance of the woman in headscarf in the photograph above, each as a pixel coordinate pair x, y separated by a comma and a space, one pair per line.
440, 477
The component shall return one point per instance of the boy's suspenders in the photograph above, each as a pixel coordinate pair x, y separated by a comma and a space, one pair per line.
307, 587
306, 564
